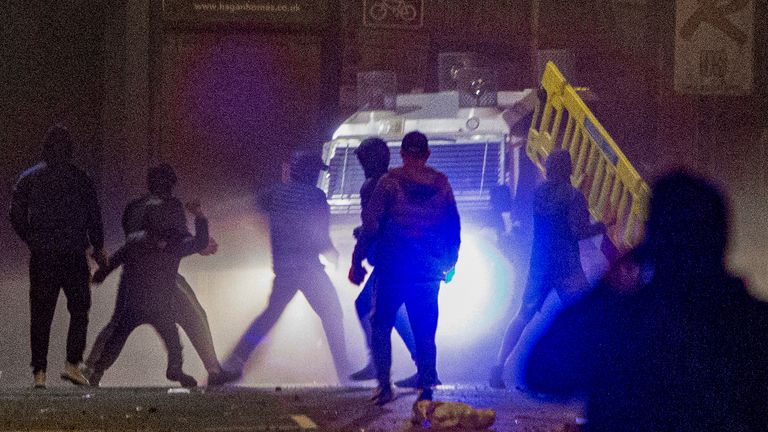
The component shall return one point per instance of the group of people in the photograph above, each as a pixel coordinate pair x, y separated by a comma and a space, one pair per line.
410, 233
668, 339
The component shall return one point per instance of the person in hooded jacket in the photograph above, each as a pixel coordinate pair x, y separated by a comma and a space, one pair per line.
150, 260
413, 218
56, 212
191, 316
560, 221
373, 155
669, 340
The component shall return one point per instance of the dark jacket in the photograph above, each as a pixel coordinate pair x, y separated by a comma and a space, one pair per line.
560, 220
299, 224
415, 221
56, 209
687, 354
150, 261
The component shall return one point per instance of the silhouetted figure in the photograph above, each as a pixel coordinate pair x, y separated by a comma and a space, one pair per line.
299, 227
373, 155
161, 180
669, 341
560, 221
413, 219
150, 261
55, 211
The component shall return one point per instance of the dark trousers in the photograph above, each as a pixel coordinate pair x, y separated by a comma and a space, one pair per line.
420, 300
318, 289
162, 321
190, 315
364, 308
50, 272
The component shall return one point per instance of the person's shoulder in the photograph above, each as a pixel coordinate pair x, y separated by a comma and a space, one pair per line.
32, 172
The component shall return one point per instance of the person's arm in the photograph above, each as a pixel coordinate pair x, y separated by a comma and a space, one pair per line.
95, 225
328, 250
578, 219
19, 210
452, 230
113, 262
193, 245
372, 216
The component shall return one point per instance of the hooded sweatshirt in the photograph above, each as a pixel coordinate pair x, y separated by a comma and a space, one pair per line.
413, 216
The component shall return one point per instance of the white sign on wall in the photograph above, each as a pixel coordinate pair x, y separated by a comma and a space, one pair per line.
714, 47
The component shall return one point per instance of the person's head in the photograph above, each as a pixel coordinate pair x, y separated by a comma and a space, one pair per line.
373, 155
161, 179
306, 166
687, 227
559, 167
414, 148
58, 145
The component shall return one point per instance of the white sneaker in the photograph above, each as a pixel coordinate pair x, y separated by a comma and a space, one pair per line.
73, 374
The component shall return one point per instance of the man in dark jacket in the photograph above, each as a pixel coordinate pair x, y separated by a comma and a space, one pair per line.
413, 218
299, 229
560, 221
669, 341
56, 212
373, 155
191, 316
151, 262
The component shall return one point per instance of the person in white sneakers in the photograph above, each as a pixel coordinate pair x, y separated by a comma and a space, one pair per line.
56, 212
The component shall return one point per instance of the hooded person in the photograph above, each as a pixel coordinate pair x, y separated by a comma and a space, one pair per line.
161, 181
669, 339
373, 155
299, 229
56, 212
413, 219
150, 260
560, 221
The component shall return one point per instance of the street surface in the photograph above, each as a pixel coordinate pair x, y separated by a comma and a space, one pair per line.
245, 409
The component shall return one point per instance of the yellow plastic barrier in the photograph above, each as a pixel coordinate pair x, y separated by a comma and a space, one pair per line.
616, 193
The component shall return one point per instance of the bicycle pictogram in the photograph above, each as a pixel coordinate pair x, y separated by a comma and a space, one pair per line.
389, 9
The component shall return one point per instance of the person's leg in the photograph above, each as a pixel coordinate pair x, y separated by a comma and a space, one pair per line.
533, 298
283, 290
43, 293
387, 301
165, 326
403, 328
421, 303
104, 334
78, 292
114, 344
193, 319
322, 297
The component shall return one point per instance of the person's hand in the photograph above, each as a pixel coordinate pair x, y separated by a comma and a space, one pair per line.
211, 249
100, 256
99, 276
195, 208
357, 274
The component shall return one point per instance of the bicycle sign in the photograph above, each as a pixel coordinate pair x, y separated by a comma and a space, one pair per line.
393, 13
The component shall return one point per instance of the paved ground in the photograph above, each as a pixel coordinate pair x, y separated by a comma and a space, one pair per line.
244, 409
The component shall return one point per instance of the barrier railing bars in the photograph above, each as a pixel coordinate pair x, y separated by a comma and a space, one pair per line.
616, 193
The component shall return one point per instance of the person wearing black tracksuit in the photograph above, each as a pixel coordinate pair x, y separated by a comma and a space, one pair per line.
150, 262
414, 221
55, 211
373, 155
